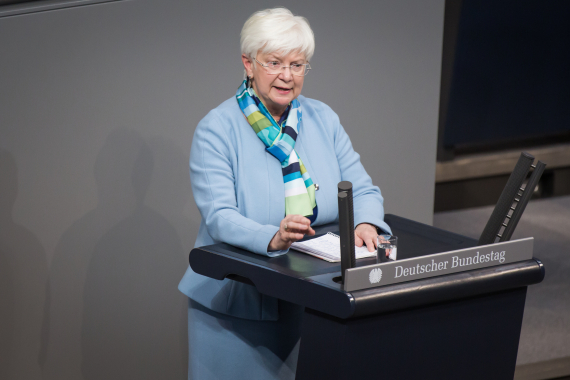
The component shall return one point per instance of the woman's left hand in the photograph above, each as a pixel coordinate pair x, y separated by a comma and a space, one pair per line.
365, 233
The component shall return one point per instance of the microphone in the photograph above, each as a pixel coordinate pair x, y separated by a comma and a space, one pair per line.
346, 226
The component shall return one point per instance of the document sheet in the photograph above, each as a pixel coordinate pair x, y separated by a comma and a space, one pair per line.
327, 247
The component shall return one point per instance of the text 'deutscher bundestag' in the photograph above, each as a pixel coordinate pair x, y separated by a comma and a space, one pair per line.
438, 264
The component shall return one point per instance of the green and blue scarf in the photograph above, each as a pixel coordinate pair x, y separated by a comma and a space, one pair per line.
280, 142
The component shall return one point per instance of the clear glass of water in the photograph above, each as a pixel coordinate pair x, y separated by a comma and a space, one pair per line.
387, 248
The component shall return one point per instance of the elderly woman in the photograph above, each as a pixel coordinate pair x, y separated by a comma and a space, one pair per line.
255, 164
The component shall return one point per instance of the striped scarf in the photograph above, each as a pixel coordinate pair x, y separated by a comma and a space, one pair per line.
280, 142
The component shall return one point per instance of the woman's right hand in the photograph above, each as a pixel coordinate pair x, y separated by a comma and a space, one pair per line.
291, 229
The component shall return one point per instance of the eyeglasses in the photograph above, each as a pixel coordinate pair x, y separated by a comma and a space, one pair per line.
274, 67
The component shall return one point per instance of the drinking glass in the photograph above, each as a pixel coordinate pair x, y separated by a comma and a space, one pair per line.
387, 247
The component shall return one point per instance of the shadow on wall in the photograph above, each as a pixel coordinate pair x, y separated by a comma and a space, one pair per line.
115, 310
170, 192
23, 277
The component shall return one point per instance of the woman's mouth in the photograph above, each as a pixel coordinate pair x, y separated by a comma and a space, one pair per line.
282, 90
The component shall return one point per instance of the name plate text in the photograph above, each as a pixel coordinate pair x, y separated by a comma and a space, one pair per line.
438, 264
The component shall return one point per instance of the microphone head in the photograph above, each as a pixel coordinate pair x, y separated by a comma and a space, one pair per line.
344, 186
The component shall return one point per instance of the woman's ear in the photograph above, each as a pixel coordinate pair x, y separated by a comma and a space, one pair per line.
248, 65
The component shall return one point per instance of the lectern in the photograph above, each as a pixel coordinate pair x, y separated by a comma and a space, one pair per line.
464, 325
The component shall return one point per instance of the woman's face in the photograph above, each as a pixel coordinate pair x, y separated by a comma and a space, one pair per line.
276, 91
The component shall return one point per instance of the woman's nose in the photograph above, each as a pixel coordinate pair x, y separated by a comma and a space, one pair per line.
285, 73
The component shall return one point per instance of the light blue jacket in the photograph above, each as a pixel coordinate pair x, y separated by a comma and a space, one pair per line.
238, 188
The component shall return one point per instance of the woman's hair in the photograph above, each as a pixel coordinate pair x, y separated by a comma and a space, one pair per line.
277, 30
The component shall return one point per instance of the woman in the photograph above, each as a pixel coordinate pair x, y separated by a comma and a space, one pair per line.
255, 163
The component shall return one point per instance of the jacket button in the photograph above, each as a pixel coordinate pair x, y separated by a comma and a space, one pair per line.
316, 186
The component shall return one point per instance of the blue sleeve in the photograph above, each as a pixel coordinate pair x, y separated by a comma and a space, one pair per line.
368, 201
213, 186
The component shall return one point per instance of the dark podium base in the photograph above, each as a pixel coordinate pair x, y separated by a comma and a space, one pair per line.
473, 338
458, 326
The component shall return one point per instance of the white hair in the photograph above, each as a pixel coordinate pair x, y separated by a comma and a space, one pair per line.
277, 30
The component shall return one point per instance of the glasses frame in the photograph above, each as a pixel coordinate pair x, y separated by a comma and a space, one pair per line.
304, 73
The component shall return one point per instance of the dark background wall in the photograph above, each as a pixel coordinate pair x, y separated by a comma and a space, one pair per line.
509, 77
98, 105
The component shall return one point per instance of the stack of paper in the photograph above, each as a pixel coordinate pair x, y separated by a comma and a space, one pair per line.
327, 247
